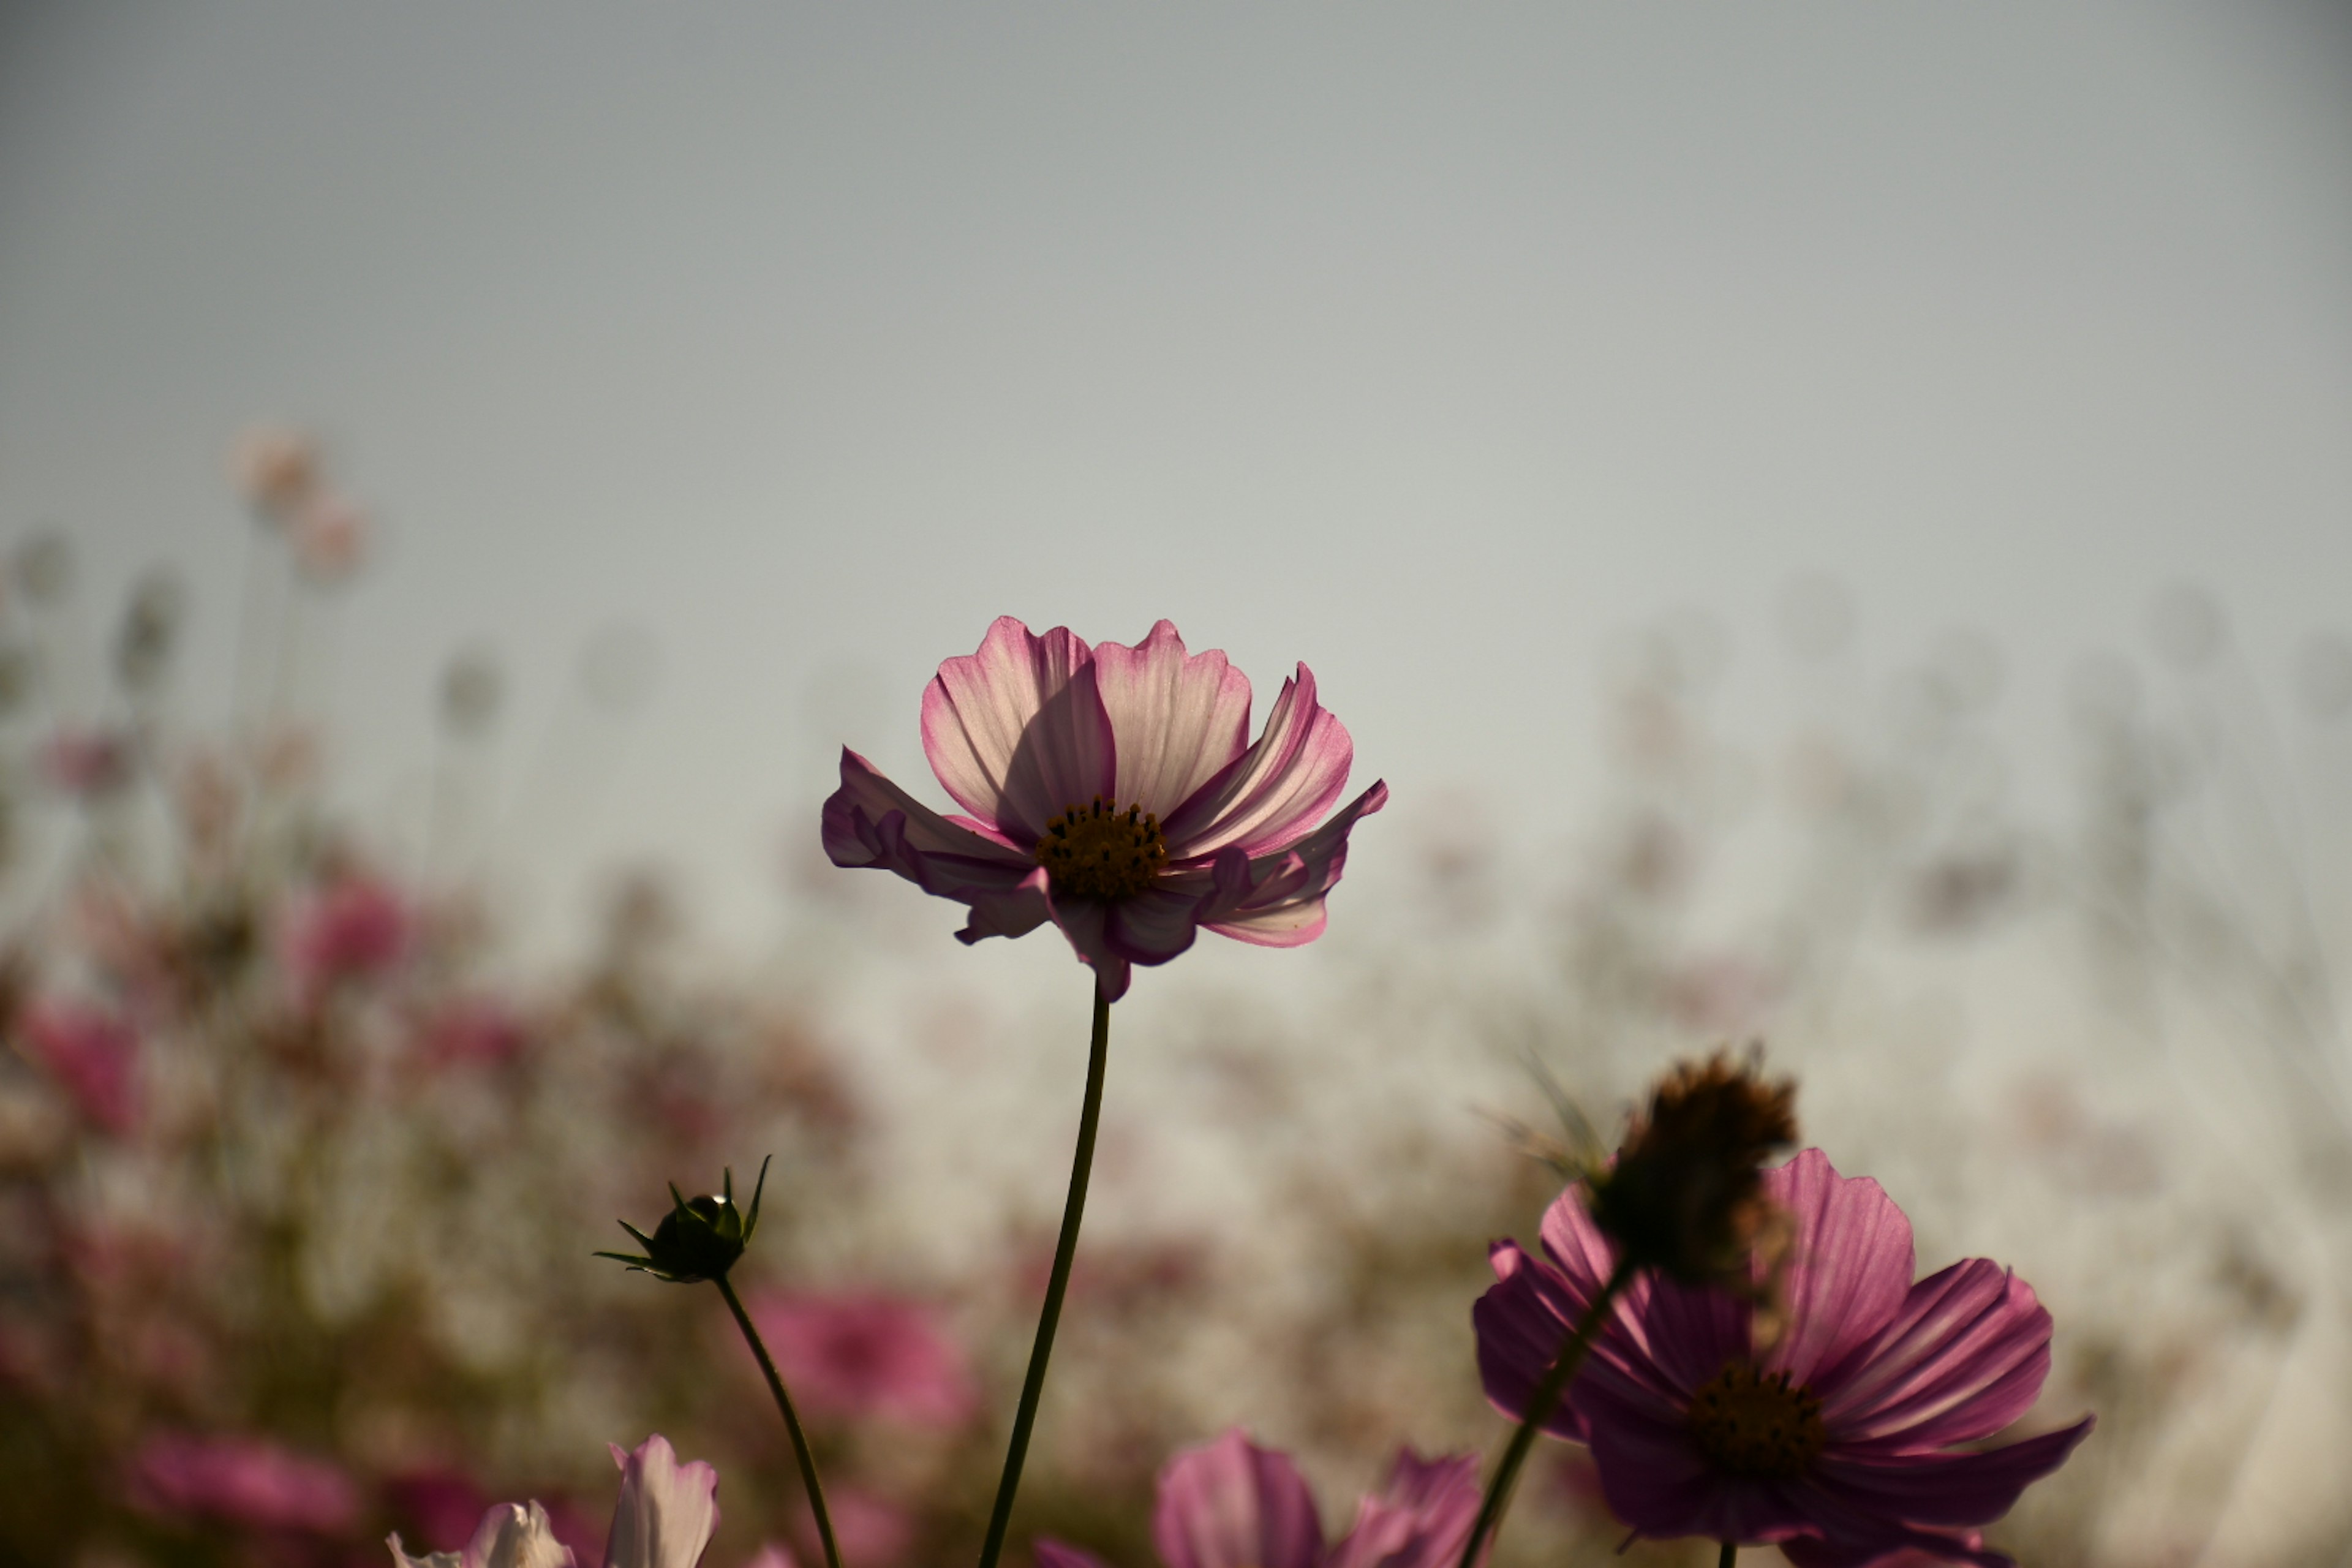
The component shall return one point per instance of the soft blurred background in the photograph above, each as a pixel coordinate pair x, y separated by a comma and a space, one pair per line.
1835, 522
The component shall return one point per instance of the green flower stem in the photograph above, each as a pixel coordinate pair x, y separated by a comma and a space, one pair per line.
1073, 1209
791, 1422
1730, 1555
1540, 1409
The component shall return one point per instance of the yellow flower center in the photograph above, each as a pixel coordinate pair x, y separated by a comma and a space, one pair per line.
1101, 852
1759, 1426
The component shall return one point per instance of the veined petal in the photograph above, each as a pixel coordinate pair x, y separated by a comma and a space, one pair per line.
1899, 1547
1419, 1518
1658, 1482
1277, 899
1964, 1358
1522, 1324
1850, 1270
1272, 794
1233, 1504
1016, 732
1179, 720
1683, 1338
1943, 1488
667, 1510
871, 822
1086, 923
1153, 926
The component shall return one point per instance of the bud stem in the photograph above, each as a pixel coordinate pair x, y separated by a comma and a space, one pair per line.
1730, 1555
1049, 1318
1540, 1409
791, 1422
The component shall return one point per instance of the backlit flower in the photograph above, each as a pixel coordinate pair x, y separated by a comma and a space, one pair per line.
1115, 792
664, 1518
1232, 1504
1834, 1437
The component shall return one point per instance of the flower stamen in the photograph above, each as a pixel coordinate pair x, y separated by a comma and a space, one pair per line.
1098, 851
1757, 1424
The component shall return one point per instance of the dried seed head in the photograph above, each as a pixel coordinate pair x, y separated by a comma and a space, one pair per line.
1685, 1196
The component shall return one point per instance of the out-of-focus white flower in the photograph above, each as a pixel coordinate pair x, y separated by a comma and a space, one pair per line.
511, 1535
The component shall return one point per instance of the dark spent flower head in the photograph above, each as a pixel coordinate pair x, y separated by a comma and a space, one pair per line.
699, 1238
1685, 1196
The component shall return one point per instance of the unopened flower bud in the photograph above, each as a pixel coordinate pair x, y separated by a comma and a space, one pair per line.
1685, 1196
699, 1238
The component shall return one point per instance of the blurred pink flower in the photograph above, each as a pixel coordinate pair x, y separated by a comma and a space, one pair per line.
94, 1056
472, 1031
664, 1518
443, 1504
773, 1554
1835, 1438
861, 1354
872, 1531
87, 765
246, 1481
329, 538
1232, 1504
1113, 791
275, 468
355, 928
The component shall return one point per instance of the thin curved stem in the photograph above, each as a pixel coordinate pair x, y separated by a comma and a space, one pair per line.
1074, 1209
1540, 1408
791, 1423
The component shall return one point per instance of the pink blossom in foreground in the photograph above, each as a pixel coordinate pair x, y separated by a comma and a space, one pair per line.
664, 1518
1232, 1504
243, 1481
1113, 791
93, 1055
861, 1353
353, 928
1835, 1439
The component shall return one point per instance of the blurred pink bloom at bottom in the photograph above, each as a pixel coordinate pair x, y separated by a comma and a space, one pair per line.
1232, 1504
662, 1519
93, 1055
867, 1354
871, 1531
473, 1032
243, 1480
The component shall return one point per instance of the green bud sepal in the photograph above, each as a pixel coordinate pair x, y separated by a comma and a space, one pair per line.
699, 1238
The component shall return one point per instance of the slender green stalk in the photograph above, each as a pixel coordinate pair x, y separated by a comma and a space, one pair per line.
791, 1423
1730, 1555
1540, 1409
1074, 1208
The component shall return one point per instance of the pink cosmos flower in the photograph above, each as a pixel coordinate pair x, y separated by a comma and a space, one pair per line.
664, 1518
354, 928
1835, 1439
1232, 1504
246, 1481
93, 1055
860, 1353
1113, 791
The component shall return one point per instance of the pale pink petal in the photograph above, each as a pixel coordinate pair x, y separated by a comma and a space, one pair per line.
1277, 901
511, 1535
1270, 796
1420, 1519
1849, 1271
1016, 732
1964, 1358
1957, 1488
1179, 720
871, 822
1233, 1504
667, 1510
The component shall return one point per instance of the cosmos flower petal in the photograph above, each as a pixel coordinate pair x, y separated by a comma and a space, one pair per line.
1964, 1358
1658, 1482
1232, 1504
1944, 1488
1051, 1554
1525, 1319
1419, 1518
667, 1510
1277, 900
1685, 1335
1153, 926
1179, 720
1900, 1547
1086, 922
871, 822
1850, 1270
1016, 732
1268, 796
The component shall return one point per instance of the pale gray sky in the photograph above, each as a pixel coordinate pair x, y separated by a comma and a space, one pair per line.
1428, 344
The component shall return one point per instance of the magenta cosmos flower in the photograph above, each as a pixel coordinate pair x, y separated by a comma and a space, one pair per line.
1835, 1439
1232, 1504
1113, 791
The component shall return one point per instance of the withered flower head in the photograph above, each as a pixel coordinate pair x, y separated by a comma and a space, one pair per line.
699, 1238
1685, 1196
